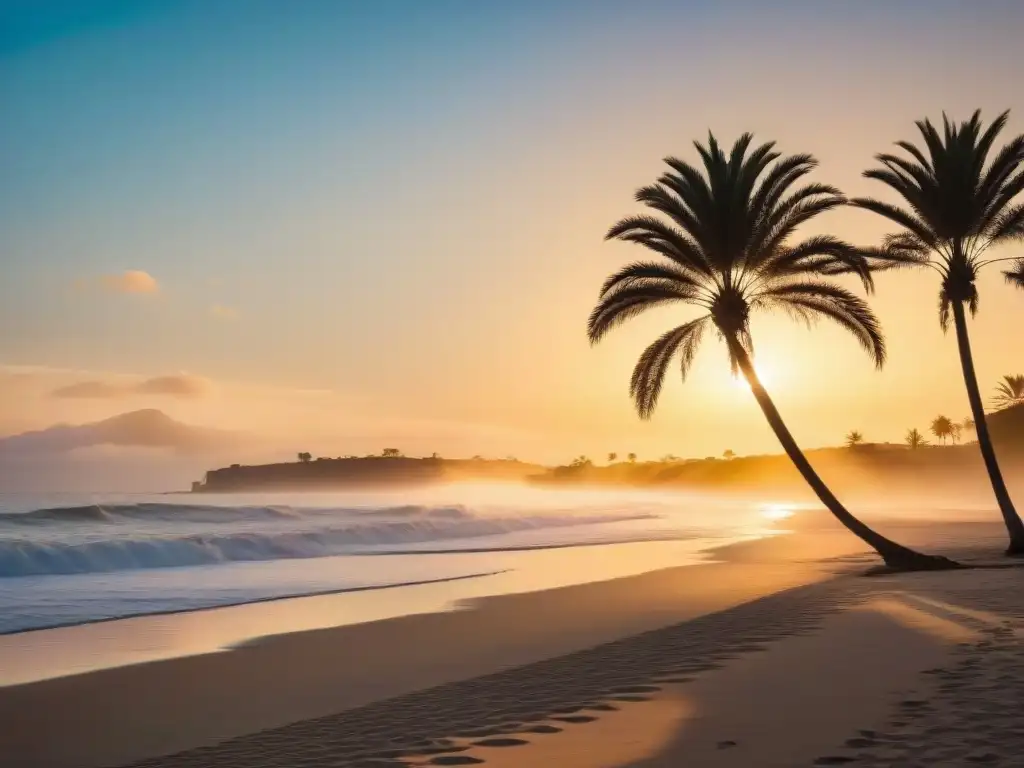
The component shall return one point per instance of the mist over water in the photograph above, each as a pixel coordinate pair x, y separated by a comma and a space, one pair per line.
68, 559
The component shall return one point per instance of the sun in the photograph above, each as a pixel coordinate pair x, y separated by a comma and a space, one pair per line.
776, 511
766, 372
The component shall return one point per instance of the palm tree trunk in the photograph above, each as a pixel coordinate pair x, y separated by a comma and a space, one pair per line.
895, 555
1014, 526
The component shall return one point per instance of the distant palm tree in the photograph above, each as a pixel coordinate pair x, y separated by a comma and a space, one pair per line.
631, 457
968, 424
914, 439
727, 251
391, 453
956, 430
1009, 391
305, 457
728, 454
612, 457
958, 205
581, 461
854, 438
942, 428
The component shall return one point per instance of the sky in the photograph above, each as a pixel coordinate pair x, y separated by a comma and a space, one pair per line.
348, 225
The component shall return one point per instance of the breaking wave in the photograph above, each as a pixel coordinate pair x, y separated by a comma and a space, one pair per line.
142, 536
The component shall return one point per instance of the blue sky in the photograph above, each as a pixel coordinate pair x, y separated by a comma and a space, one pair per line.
403, 202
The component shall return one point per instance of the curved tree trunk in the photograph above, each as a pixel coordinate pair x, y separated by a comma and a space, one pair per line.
1014, 526
895, 555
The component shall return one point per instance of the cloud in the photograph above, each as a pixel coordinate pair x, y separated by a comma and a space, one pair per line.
180, 385
225, 313
86, 390
131, 281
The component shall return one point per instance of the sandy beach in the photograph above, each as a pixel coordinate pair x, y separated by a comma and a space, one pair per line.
781, 654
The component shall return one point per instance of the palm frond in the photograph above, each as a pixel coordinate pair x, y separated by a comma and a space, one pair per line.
1015, 275
1009, 225
649, 373
897, 215
813, 299
663, 238
618, 306
650, 272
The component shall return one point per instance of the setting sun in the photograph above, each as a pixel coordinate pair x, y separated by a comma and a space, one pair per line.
766, 372
776, 511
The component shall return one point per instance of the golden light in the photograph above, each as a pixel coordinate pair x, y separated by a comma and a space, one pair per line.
766, 372
776, 511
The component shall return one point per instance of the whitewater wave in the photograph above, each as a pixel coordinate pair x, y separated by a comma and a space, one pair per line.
359, 532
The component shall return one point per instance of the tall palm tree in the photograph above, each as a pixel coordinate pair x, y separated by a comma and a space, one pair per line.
958, 204
612, 457
1009, 391
726, 245
854, 438
914, 439
942, 428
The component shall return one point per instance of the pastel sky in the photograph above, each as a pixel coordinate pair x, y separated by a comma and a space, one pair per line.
353, 224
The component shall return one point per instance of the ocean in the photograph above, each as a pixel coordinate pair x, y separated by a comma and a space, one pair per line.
73, 559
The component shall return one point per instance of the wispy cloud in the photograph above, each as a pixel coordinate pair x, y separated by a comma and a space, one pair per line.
182, 385
130, 281
89, 390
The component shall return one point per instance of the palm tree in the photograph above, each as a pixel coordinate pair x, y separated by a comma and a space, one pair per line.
958, 205
728, 454
612, 457
727, 251
914, 439
305, 458
942, 428
1009, 391
631, 458
854, 438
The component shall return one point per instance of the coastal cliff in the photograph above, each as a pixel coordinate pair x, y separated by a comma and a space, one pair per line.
355, 472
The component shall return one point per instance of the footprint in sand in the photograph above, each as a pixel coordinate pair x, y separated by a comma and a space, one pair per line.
637, 689
543, 729
834, 760
505, 742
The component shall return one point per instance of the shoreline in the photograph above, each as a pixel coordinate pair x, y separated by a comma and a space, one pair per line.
253, 601
503, 664
115, 716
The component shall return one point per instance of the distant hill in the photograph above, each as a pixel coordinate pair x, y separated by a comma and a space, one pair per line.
1007, 428
147, 428
363, 471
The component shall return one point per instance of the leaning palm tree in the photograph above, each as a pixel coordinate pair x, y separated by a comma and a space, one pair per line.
1009, 391
727, 251
854, 438
958, 204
